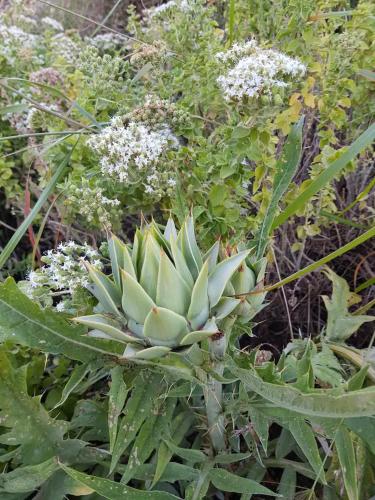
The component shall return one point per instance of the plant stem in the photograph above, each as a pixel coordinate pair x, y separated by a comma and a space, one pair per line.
213, 391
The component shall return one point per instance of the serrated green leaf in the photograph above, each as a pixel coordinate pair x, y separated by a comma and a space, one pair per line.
261, 425
28, 478
340, 323
31, 428
149, 437
226, 481
116, 400
115, 491
320, 403
78, 374
23, 322
190, 455
288, 482
305, 439
345, 451
138, 408
180, 426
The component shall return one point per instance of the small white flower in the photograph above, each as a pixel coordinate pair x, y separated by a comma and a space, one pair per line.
52, 23
122, 148
255, 71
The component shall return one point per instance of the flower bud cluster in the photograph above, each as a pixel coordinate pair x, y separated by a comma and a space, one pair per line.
46, 76
156, 112
17, 44
131, 153
105, 72
150, 53
64, 47
41, 120
254, 72
92, 204
65, 269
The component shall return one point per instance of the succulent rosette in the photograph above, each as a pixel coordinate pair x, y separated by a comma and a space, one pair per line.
165, 294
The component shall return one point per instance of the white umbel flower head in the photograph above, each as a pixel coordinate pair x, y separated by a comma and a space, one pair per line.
129, 152
253, 71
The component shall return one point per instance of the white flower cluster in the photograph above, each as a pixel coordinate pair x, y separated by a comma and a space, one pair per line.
256, 71
107, 41
64, 269
13, 40
181, 5
132, 151
51, 23
65, 47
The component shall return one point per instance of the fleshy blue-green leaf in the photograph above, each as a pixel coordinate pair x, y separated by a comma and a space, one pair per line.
136, 303
164, 327
199, 306
171, 292
221, 275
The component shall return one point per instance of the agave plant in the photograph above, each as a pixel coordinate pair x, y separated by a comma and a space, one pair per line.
165, 294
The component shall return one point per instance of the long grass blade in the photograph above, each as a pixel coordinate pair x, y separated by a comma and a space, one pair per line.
315, 265
285, 170
107, 17
85, 18
330, 173
366, 284
17, 236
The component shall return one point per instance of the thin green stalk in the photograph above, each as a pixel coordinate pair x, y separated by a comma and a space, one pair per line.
232, 11
213, 396
17, 236
315, 265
